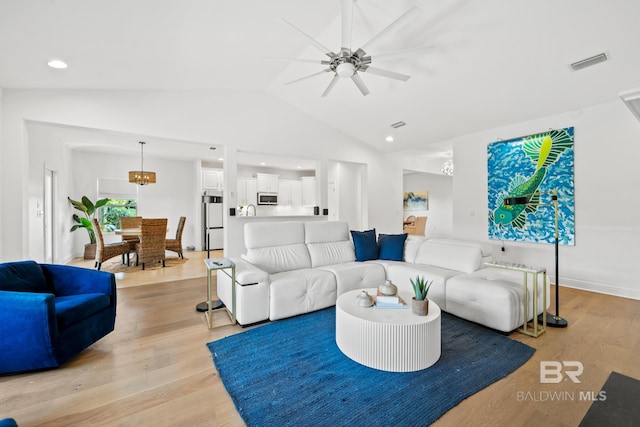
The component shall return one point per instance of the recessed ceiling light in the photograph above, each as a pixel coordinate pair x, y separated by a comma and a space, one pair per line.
389, 138
57, 63
262, 163
221, 159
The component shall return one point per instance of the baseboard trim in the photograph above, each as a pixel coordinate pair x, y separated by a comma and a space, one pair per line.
601, 288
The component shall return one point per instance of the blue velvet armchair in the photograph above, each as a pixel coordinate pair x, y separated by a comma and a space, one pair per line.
49, 313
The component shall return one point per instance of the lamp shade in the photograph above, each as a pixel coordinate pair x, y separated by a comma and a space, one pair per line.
142, 177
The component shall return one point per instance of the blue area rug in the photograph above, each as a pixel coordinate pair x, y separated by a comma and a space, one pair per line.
291, 372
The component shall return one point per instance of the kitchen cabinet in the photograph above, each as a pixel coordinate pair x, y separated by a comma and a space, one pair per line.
290, 193
212, 179
247, 190
267, 182
309, 191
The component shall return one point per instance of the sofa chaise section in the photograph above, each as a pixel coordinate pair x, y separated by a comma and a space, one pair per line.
494, 297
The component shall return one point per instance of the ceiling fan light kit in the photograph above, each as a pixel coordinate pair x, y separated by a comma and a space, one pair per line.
346, 69
348, 63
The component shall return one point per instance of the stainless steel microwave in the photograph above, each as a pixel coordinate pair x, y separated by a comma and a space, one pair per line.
267, 198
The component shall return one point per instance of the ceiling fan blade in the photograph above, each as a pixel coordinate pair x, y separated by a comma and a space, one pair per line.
402, 52
347, 21
278, 58
309, 76
399, 22
358, 81
313, 41
386, 73
332, 83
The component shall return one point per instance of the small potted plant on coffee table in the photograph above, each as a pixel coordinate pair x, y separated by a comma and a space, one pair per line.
420, 303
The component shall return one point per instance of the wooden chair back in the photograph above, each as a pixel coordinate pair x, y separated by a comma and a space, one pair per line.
104, 251
151, 247
130, 222
418, 227
175, 245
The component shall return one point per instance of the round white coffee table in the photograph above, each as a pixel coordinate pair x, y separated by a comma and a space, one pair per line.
394, 340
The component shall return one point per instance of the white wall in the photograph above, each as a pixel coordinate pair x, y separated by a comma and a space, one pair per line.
440, 212
171, 197
77, 174
606, 183
45, 151
251, 121
347, 185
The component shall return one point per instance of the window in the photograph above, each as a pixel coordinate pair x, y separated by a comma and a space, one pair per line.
122, 202
114, 209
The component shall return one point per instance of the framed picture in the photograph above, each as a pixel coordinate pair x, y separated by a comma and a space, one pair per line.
532, 166
416, 201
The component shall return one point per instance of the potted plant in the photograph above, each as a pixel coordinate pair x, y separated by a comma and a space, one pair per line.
89, 209
420, 303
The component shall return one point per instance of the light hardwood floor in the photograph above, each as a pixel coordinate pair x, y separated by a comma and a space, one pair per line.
155, 368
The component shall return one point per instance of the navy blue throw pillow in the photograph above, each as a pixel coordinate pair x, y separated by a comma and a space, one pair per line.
391, 246
365, 244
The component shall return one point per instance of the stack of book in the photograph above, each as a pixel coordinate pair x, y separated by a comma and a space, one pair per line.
390, 301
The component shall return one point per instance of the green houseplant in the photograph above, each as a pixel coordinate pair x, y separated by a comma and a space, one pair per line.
88, 209
420, 303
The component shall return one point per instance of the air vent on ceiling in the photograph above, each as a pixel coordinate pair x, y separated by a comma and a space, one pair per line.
579, 65
398, 125
632, 100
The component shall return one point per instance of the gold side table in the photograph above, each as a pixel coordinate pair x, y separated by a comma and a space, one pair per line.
536, 328
213, 265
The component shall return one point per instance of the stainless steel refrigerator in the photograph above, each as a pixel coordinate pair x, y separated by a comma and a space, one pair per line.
212, 222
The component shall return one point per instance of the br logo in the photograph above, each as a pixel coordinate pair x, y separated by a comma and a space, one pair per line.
553, 372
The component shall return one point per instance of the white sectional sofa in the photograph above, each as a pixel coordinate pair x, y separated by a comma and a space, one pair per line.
292, 268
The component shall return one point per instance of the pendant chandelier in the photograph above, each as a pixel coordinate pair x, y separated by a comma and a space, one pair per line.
142, 177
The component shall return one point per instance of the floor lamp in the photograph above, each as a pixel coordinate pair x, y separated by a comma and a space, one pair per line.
553, 320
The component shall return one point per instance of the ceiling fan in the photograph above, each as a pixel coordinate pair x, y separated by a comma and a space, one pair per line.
348, 63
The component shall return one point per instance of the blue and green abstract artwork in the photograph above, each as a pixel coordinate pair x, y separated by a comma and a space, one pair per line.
533, 167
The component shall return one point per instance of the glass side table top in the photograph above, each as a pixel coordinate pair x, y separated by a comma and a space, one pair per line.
217, 263
515, 266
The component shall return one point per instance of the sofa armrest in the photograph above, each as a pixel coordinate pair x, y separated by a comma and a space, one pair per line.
27, 331
247, 273
70, 280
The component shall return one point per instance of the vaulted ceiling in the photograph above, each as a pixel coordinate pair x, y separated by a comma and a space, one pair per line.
493, 62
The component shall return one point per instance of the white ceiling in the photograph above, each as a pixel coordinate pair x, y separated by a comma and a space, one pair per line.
211, 155
494, 62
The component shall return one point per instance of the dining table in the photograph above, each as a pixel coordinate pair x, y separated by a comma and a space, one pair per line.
128, 231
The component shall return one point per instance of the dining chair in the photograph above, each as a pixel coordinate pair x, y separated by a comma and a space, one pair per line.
107, 251
175, 245
153, 235
418, 226
130, 222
